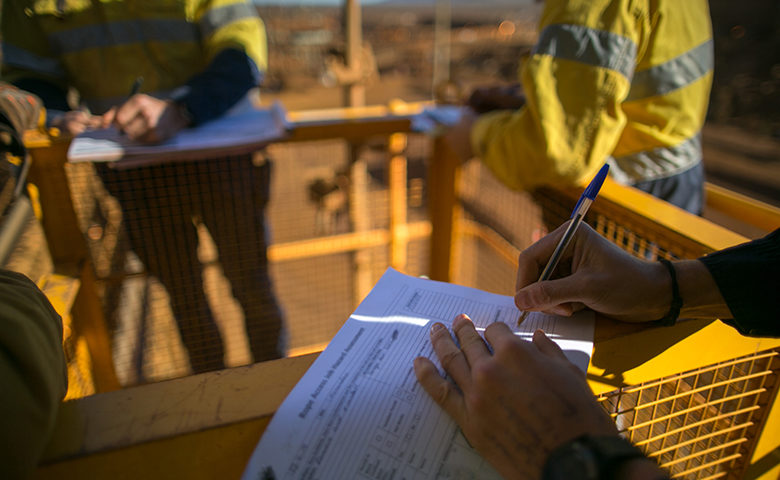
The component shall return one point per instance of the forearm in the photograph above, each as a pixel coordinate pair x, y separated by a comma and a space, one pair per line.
226, 80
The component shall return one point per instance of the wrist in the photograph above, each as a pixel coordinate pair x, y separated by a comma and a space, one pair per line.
700, 294
596, 457
676, 302
640, 469
183, 114
657, 291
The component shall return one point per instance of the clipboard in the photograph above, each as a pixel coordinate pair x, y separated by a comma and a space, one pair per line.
245, 128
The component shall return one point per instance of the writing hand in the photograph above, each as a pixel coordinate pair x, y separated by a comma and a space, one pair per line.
593, 272
146, 119
597, 274
76, 121
515, 405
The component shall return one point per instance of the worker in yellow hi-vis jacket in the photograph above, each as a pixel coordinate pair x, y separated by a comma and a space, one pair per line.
619, 81
197, 59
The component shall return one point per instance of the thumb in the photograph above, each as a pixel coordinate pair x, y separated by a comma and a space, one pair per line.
108, 117
551, 295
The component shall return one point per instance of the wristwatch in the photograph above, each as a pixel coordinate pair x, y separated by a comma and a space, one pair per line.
589, 457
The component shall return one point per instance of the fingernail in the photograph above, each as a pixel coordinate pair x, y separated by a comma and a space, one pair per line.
436, 327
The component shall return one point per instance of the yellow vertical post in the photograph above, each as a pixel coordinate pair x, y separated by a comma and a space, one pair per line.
354, 93
360, 220
397, 186
443, 174
47, 172
69, 250
354, 96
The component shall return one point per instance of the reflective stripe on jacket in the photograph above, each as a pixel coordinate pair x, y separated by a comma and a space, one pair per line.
101, 46
623, 81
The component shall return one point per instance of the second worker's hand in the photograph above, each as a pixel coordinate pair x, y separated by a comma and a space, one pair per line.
146, 119
595, 273
75, 122
516, 404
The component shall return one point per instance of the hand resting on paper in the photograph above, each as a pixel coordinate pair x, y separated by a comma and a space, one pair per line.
147, 119
75, 122
515, 405
596, 273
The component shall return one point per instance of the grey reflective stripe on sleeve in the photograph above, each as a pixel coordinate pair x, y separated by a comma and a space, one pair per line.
657, 163
219, 17
676, 73
587, 45
123, 33
24, 59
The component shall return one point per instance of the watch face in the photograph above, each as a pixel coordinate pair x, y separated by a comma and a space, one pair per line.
587, 458
573, 461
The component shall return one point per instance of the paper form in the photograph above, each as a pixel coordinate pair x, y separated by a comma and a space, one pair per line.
359, 412
436, 120
242, 129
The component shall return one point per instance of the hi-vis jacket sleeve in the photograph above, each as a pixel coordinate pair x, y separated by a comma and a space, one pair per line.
233, 24
575, 80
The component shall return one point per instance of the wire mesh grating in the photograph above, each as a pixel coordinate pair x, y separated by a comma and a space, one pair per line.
701, 423
139, 224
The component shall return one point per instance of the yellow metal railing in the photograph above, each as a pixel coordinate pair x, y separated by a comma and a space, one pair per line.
667, 388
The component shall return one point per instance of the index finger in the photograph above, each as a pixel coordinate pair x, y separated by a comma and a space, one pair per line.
108, 117
124, 114
533, 259
450, 356
471, 343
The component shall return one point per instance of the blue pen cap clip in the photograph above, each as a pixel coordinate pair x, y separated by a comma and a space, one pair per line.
593, 188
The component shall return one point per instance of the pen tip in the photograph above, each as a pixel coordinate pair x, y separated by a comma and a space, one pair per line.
521, 317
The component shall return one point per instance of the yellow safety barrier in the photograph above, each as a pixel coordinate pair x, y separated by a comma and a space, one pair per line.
697, 396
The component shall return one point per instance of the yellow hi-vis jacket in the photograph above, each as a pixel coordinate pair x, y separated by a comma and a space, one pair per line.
101, 46
623, 81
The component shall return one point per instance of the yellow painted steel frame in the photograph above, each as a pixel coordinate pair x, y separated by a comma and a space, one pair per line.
622, 355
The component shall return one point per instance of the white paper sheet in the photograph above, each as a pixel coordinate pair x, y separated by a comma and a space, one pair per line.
359, 411
242, 129
436, 120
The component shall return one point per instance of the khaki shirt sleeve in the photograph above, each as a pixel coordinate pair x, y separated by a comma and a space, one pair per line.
32, 372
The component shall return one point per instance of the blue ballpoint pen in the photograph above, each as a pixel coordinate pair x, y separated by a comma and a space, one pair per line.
577, 216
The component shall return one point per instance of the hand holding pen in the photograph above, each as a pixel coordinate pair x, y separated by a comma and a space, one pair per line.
577, 216
145, 118
595, 273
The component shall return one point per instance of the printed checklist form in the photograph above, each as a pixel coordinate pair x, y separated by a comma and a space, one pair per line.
359, 411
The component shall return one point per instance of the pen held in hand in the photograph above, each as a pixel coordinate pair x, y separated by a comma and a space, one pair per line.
583, 204
136, 86
139, 80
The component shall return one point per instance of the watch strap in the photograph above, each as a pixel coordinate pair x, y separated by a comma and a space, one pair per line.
674, 309
590, 457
